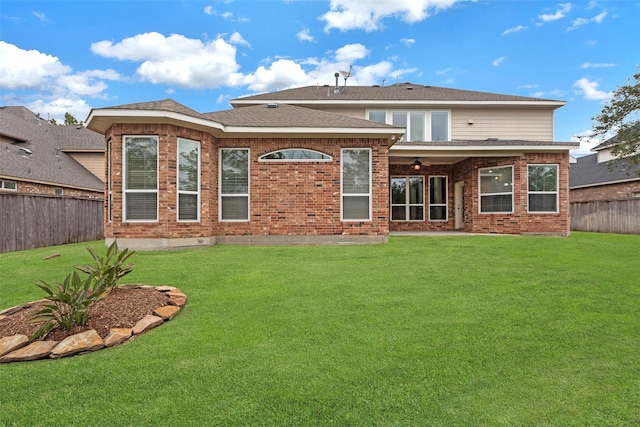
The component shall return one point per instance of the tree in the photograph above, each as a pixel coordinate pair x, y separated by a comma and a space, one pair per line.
621, 117
53, 121
69, 120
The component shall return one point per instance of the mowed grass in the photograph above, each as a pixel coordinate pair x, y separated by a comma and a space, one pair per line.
436, 331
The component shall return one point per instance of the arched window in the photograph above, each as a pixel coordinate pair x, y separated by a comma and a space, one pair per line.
295, 155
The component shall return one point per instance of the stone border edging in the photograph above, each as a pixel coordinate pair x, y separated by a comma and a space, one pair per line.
18, 348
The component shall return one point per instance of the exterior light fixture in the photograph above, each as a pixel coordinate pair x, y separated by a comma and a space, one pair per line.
417, 164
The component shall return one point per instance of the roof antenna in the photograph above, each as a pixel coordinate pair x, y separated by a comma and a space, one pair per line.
346, 74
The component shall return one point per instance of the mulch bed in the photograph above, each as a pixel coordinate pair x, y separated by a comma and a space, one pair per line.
121, 308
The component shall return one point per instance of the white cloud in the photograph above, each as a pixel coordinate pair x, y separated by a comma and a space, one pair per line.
27, 69
351, 52
597, 65
577, 23
514, 30
236, 38
587, 142
407, 42
209, 10
368, 14
56, 108
41, 16
304, 35
589, 90
560, 13
529, 86
282, 73
499, 61
178, 60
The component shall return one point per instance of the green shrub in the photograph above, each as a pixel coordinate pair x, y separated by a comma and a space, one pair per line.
111, 268
70, 303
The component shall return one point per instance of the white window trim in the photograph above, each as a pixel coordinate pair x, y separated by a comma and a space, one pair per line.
427, 120
179, 192
408, 205
557, 192
109, 166
262, 158
369, 194
480, 194
248, 194
124, 176
3, 186
446, 204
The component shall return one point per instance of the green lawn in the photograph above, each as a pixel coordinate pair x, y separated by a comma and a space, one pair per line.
443, 331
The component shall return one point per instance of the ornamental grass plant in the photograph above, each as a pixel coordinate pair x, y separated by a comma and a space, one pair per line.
437, 331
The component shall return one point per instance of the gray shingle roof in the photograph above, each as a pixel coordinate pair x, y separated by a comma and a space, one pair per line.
168, 105
290, 116
41, 157
396, 92
587, 171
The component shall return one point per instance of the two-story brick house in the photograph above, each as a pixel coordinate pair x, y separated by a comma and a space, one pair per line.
330, 164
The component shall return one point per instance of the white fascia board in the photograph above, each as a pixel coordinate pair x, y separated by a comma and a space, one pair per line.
313, 131
401, 103
151, 114
483, 148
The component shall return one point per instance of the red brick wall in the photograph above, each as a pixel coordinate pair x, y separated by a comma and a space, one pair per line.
520, 221
620, 190
286, 198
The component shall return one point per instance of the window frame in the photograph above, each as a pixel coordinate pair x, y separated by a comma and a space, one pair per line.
126, 192
188, 192
222, 195
481, 194
557, 190
446, 198
369, 194
407, 204
327, 159
426, 121
4, 182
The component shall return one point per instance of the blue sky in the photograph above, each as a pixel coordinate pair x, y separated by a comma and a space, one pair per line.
71, 56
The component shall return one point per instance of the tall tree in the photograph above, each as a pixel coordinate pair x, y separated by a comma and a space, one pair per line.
69, 120
621, 116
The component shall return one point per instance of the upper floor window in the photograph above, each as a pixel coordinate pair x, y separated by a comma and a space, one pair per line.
496, 189
188, 180
140, 178
543, 188
420, 125
295, 155
234, 184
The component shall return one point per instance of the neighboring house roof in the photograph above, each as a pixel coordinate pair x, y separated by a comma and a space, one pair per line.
397, 93
587, 172
39, 153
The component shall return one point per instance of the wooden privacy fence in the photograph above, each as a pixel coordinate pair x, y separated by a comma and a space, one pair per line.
607, 216
34, 220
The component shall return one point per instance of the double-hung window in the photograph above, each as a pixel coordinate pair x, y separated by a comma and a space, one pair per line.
8, 185
407, 198
356, 184
188, 180
234, 184
496, 189
140, 178
543, 188
438, 198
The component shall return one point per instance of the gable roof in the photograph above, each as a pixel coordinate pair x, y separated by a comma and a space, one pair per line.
397, 93
38, 155
587, 172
